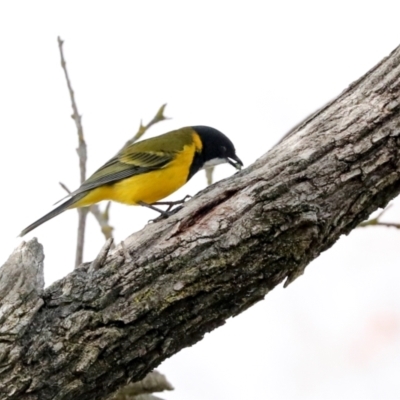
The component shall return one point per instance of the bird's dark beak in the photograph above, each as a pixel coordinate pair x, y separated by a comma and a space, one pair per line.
236, 162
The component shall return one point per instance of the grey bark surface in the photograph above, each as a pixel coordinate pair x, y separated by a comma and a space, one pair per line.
100, 328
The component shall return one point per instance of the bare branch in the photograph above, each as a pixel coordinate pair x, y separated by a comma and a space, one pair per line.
82, 154
143, 128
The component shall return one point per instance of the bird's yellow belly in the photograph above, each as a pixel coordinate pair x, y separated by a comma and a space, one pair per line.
149, 187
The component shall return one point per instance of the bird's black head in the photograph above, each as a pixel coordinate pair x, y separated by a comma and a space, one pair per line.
217, 148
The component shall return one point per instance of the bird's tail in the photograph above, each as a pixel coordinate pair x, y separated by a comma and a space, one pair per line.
58, 210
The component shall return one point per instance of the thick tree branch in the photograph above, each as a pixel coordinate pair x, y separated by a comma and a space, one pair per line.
169, 284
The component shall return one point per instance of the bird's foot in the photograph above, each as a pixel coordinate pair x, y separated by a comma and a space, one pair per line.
165, 214
168, 212
171, 204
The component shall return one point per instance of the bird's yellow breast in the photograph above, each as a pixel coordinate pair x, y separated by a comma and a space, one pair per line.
149, 187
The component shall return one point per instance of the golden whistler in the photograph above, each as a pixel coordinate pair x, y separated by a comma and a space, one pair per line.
145, 172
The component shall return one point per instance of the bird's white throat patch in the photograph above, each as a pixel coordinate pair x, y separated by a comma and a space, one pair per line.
214, 162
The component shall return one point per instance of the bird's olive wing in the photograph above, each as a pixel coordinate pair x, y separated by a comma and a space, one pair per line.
124, 165
146, 159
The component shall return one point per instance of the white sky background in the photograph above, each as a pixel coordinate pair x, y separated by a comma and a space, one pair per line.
253, 70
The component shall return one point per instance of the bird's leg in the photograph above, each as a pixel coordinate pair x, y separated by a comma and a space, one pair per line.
171, 204
163, 213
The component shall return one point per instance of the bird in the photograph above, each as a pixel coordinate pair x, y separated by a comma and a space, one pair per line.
144, 172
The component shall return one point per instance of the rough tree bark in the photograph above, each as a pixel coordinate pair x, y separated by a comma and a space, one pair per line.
113, 321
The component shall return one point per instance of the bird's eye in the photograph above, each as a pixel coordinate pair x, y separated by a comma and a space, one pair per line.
223, 149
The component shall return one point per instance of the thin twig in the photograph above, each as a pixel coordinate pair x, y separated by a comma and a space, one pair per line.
82, 154
103, 218
98, 262
376, 221
209, 175
386, 224
65, 188
143, 128
81, 150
